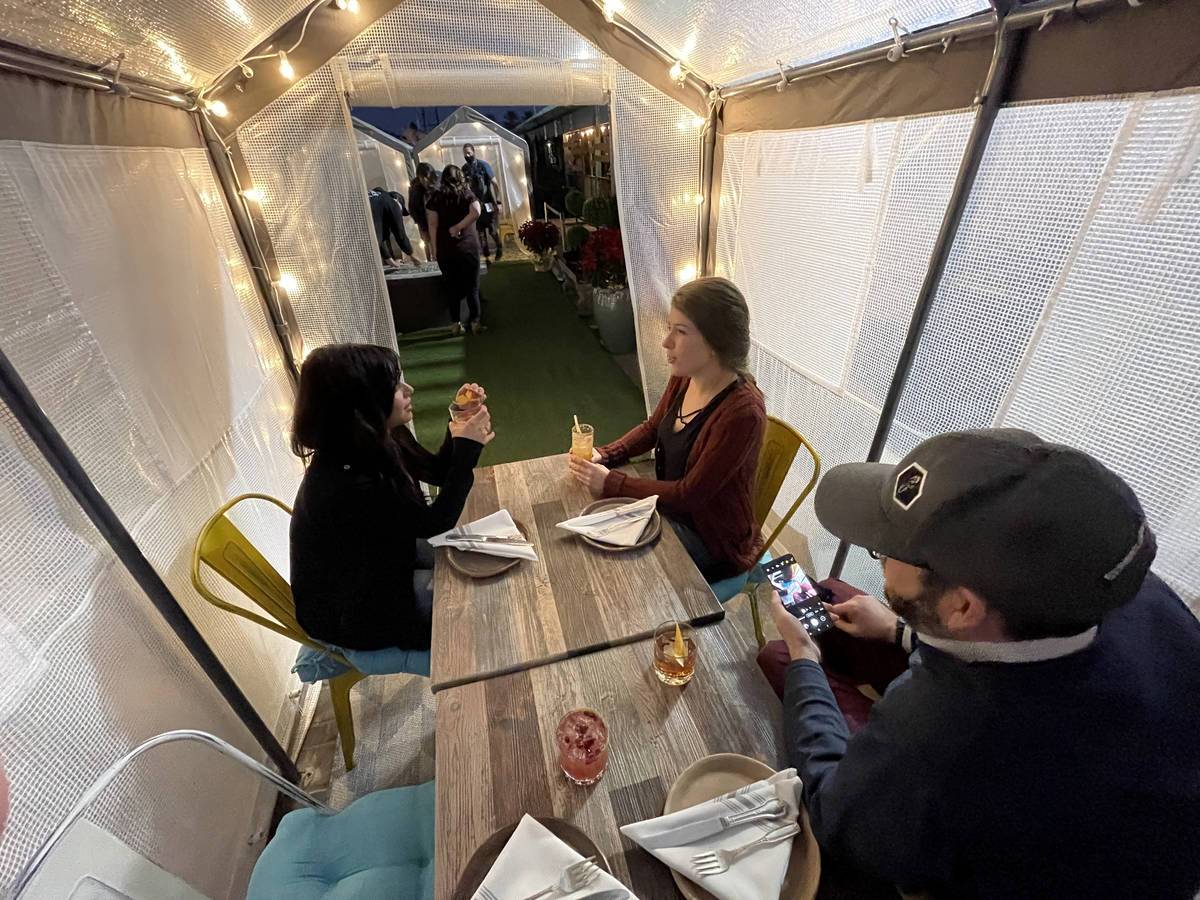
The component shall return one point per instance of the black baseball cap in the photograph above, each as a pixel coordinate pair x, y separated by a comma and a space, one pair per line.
1044, 532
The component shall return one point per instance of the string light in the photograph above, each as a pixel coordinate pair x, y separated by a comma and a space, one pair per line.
676, 73
285, 67
254, 194
217, 108
288, 282
352, 6
611, 8
687, 273
699, 199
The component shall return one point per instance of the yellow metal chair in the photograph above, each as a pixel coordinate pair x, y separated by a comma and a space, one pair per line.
228, 552
781, 443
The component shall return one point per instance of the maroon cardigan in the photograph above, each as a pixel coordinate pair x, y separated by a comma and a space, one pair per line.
717, 487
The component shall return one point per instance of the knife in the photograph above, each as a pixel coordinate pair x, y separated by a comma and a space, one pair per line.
488, 539
694, 831
605, 895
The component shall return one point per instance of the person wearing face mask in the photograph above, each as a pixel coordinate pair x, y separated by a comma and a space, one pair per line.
706, 434
1044, 739
482, 181
362, 567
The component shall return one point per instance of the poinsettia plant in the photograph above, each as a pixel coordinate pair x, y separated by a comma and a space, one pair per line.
538, 235
603, 260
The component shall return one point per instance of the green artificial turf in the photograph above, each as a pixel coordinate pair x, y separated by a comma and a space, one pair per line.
539, 362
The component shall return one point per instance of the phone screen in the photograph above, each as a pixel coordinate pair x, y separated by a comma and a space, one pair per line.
800, 596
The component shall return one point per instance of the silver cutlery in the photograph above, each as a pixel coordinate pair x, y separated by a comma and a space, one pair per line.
694, 831
714, 862
487, 539
613, 894
574, 877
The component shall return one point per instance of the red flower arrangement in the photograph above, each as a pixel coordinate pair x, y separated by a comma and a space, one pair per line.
603, 260
538, 235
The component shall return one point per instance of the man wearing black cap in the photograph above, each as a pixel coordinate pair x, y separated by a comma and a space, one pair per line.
1045, 739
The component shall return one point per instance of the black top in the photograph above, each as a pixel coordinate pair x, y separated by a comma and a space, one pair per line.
354, 533
416, 204
1071, 777
452, 209
674, 447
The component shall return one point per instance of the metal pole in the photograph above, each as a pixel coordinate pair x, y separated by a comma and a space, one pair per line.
16, 395
708, 149
987, 104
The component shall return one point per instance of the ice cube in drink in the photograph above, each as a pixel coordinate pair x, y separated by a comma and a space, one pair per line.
582, 739
674, 653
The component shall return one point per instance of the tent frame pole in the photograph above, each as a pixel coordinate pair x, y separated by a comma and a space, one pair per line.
41, 431
1005, 58
708, 149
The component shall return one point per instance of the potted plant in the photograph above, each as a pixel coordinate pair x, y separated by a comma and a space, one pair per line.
540, 238
604, 267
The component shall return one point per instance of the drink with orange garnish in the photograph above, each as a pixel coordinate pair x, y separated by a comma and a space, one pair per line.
674, 653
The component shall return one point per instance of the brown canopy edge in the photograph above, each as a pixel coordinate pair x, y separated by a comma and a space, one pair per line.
36, 109
585, 18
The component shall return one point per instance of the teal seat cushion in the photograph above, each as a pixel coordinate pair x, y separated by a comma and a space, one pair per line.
380, 846
317, 665
728, 588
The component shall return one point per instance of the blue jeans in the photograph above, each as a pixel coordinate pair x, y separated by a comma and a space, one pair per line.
710, 567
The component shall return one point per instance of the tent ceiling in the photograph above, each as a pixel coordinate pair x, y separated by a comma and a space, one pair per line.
723, 41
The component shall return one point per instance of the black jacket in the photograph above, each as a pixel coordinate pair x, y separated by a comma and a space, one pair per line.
354, 534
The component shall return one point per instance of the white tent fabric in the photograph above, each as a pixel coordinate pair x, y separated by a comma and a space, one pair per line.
131, 313
385, 166
186, 44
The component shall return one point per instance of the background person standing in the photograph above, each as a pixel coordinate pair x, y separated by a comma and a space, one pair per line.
482, 181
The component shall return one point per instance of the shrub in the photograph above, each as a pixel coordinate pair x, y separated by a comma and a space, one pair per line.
538, 235
600, 212
604, 259
577, 236
574, 203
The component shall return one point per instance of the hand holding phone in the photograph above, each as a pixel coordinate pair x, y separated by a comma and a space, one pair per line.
799, 595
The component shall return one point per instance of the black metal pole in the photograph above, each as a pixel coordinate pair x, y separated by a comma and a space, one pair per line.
987, 105
16, 395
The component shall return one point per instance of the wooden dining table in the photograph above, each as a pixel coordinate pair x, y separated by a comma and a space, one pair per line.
496, 758
574, 599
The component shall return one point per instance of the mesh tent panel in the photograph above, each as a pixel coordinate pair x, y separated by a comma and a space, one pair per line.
726, 42
302, 155
858, 206
386, 167
483, 52
70, 615
656, 165
1069, 304
186, 44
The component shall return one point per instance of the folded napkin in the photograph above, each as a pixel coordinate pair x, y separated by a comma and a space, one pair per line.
533, 859
498, 524
621, 525
758, 874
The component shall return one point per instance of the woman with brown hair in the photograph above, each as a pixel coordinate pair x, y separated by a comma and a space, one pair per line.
362, 569
452, 212
706, 433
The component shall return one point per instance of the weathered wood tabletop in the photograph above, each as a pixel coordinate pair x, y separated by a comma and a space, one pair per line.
496, 758
575, 598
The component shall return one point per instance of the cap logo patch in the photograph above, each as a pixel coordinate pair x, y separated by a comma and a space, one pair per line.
909, 485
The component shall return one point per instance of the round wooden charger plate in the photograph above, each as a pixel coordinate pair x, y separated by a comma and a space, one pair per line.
649, 534
483, 565
484, 857
719, 774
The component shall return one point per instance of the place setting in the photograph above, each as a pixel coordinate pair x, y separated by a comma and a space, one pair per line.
486, 547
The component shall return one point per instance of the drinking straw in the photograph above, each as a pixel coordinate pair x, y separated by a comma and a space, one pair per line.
577, 428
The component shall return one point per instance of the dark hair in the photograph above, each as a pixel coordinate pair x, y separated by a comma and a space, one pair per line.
343, 404
719, 311
454, 184
471, 146
426, 174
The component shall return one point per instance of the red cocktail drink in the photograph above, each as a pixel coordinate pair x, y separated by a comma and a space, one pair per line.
582, 740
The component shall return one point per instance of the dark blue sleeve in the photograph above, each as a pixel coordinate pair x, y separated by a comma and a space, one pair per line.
871, 799
487, 170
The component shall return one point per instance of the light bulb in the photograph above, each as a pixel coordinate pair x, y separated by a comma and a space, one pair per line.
697, 121
699, 199
676, 72
217, 108
611, 8
352, 5
254, 194
399, 163
340, 4
289, 283
285, 67
687, 273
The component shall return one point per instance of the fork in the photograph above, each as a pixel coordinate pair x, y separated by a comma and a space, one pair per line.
574, 877
714, 862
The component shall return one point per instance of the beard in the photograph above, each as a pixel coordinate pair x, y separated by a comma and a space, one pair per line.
920, 611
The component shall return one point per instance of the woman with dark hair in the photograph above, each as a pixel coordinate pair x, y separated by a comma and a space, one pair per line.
452, 212
419, 192
362, 571
706, 433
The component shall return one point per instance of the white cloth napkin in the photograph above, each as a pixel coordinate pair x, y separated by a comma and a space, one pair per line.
621, 525
758, 874
498, 524
534, 859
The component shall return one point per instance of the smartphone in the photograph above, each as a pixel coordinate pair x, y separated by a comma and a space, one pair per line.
800, 596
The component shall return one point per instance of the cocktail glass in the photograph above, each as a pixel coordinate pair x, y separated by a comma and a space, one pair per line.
674, 653
582, 741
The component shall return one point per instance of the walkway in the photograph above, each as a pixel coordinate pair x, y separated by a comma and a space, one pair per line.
539, 362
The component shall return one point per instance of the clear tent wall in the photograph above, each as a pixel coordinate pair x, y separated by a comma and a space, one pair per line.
157, 291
